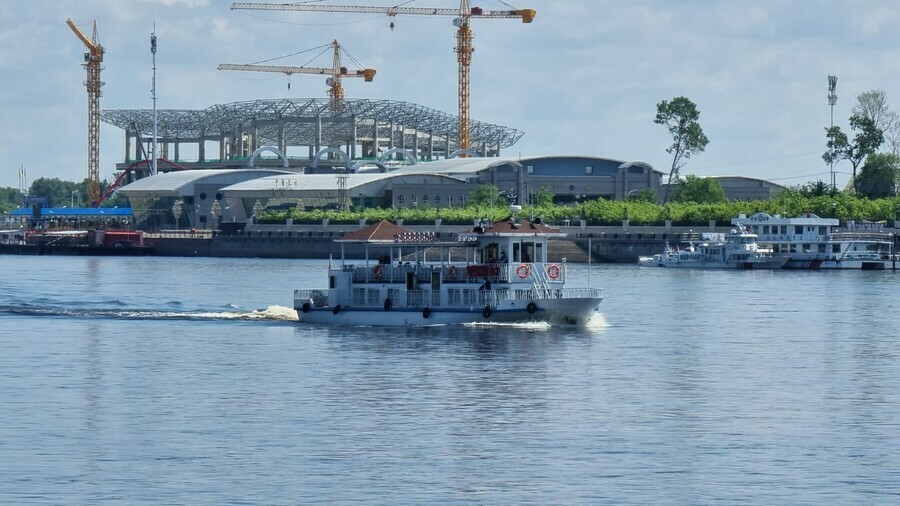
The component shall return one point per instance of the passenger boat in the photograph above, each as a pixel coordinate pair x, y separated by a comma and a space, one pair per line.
738, 249
813, 242
500, 274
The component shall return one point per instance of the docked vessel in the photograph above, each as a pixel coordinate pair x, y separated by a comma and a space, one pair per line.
813, 242
738, 249
500, 274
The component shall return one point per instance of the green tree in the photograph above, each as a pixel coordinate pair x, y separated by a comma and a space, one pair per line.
645, 195
868, 139
700, 190
816, 189
680, 117
544, 196
10, 198
878, 177
58, 191
485, 195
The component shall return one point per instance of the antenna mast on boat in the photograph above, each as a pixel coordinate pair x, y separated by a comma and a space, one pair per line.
153, 165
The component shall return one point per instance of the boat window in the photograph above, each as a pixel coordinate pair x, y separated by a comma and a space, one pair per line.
539, 252
331, 282
528, 252
823, 230
798, 230
517, 252
783, 229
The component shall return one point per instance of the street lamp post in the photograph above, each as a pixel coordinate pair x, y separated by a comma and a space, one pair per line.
74, 193
832, 99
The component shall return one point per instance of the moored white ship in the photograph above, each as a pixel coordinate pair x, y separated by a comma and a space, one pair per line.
738, 249
813, 242
502, 275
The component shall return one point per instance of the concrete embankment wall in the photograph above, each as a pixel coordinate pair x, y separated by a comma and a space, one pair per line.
623, 244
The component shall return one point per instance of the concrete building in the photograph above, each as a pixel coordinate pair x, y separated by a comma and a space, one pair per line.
241, 193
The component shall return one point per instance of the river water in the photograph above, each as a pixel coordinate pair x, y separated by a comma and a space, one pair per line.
185, 381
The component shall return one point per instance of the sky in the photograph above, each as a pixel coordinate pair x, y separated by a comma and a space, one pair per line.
584, 78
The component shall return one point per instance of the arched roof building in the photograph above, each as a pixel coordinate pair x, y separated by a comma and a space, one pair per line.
442, 183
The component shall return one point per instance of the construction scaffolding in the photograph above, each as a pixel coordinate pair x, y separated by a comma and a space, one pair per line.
242, 127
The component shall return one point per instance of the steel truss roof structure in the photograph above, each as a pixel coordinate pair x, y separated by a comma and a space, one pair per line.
300, 122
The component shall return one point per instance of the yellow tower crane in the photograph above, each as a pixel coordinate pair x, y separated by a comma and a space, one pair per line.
464, 46
337, 72
93, 57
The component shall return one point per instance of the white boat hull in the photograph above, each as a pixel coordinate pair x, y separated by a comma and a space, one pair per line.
572, 311
852, 264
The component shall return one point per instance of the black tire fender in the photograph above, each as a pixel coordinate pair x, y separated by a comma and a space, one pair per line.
388, 304
531, 308
336, 310
305, 307
426, 312
487, 311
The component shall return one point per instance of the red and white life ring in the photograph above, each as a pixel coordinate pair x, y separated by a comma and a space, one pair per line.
378, 271
553, 271
523, 270
452, 272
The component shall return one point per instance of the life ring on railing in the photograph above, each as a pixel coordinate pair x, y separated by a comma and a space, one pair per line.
378, 271
523, 270
452, 272
553, 271
305, 307
336, 310
426, 312
486, 312
531, 308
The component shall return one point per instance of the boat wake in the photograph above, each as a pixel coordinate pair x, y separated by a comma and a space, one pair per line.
520, 325
271, 313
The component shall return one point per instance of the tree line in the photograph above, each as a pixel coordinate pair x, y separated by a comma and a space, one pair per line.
59, 193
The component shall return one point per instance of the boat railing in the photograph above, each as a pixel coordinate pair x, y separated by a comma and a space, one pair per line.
879, 237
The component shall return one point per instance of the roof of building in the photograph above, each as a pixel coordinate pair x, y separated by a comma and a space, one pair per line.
174, 183
381, 232
92, 212
296, 119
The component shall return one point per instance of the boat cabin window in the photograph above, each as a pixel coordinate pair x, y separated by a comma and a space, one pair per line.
823, 230
527, 252
798, 230
783, 230
491, 253
331, 282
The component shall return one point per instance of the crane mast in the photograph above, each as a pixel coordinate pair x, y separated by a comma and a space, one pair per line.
93, 57
337, 72
464, 48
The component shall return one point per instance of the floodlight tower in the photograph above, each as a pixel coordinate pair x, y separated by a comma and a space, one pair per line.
832, 99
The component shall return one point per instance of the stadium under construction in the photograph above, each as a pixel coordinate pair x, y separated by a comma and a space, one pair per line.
297, 130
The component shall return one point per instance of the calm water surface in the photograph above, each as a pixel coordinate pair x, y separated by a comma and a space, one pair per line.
183, 381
